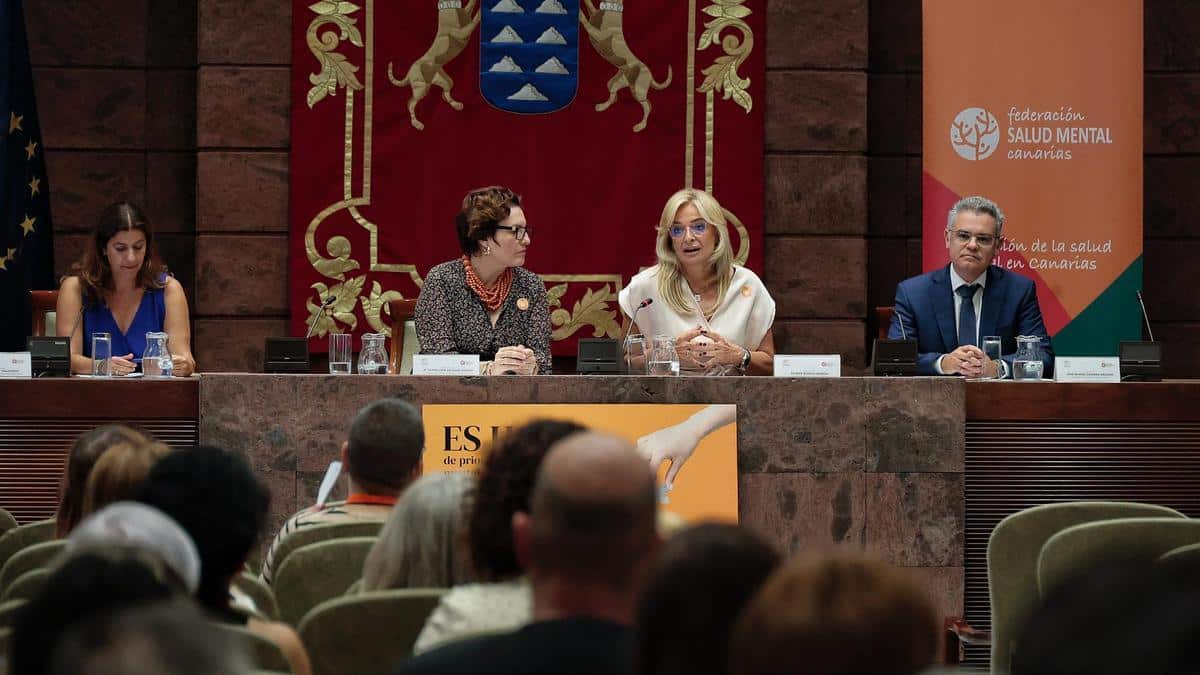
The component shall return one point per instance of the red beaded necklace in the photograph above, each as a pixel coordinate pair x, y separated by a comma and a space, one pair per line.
492, 297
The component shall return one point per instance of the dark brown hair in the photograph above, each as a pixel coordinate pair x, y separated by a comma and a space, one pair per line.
482, 210
93, 270
836, 615
504, 487
80, 459
118, 474
702, 578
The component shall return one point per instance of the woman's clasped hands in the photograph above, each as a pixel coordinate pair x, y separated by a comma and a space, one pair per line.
700, 348
515, 360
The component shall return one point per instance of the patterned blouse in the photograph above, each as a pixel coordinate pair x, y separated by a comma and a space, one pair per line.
451, 319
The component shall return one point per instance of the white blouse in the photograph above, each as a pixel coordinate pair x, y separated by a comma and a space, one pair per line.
743, 316
477, 608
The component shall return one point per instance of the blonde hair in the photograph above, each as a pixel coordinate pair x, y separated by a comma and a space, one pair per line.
670, 276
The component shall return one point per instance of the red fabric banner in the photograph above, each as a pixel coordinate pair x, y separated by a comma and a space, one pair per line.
390, 130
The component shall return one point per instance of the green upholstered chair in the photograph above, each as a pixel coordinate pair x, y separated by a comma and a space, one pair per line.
262, 652
312, 534
24, 586
1135, 539
366, 634
8, 612
315, 573
29, 558
24, 535
258, 591
7, 522
1012, 557
1183, 563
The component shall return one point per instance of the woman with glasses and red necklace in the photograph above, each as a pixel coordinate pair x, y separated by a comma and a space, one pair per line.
485, 302
719, 313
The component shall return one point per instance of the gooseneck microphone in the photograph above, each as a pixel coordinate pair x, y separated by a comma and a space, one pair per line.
1145, 316
643, 304
900, 319
313, 322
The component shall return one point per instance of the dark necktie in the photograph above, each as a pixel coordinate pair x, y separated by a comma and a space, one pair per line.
966, 315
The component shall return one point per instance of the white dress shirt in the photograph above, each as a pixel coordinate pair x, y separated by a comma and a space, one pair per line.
957, 282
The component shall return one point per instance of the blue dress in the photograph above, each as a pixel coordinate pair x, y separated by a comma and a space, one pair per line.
97, 318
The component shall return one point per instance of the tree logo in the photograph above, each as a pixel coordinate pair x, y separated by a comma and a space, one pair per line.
974, 134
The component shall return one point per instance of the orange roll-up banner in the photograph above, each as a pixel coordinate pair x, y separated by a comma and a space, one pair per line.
1038, 106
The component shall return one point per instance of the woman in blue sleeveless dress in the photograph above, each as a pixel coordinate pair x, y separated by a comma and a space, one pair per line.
120, 287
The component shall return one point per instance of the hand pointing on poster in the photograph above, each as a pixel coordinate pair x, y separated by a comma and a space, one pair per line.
677, 443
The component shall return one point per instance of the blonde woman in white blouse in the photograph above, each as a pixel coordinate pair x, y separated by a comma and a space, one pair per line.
719, 313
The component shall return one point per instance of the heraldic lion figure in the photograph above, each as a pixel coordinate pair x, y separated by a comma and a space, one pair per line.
606, 32
455, 25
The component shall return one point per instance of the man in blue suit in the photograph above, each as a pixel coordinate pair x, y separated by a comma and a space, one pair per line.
950, 310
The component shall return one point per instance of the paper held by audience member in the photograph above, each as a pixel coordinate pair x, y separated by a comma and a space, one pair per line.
331, 475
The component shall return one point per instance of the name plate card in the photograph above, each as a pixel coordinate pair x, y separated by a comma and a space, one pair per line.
808, 365
1087, 369
445, 364
16, 364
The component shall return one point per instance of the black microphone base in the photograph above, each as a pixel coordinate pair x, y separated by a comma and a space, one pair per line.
286, 355
1141, 361
893, 358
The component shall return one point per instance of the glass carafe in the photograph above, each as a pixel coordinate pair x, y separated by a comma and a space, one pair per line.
663, 359
156, 360
373, 359
1027, 363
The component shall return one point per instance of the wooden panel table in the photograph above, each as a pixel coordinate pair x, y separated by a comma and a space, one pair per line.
1039, 443
40, 418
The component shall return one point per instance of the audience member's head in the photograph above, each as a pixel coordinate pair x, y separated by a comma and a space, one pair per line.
138, 526
118, 474
590, 531
838, 615
170, 638
83, 455
215, 496
421, 545
383, 451
1118, 618
85, 585
504, 487
702, 578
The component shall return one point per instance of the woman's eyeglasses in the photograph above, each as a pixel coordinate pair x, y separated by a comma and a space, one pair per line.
519, 232
698, 228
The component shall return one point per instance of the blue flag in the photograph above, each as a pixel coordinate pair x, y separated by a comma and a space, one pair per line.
26, 236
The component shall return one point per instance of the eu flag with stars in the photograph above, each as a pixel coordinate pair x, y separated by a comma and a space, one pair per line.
26, 239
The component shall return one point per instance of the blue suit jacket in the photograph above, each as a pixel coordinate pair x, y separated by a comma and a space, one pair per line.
1010, 308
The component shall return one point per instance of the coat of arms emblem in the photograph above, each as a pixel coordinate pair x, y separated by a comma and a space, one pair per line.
529, 54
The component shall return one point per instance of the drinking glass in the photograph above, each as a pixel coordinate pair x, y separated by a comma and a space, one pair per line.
101, 354
991, 351
339, 353
635, 348
663, 359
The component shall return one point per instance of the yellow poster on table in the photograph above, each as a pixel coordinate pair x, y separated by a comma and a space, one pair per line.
694, 445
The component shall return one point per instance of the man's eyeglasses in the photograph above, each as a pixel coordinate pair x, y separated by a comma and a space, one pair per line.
698, 228
519, 231
984, 240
